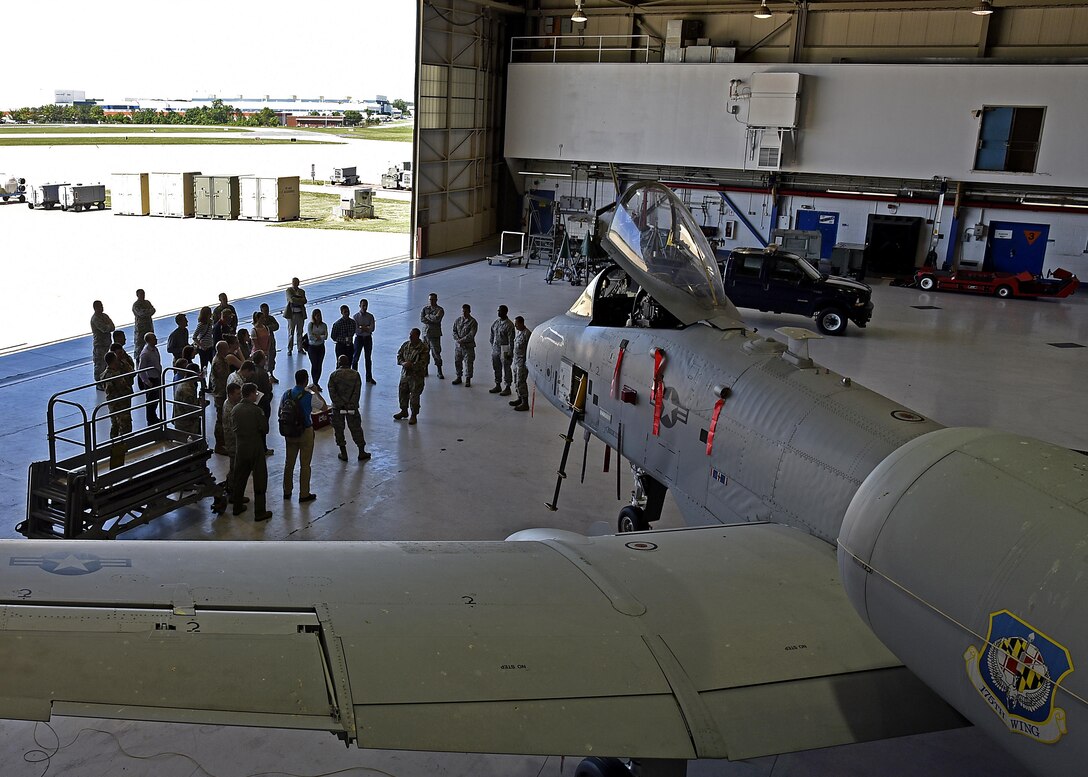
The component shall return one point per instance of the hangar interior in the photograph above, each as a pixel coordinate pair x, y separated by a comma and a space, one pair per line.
877, 128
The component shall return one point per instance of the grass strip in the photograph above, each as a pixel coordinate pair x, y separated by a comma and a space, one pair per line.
398, 132
317, 213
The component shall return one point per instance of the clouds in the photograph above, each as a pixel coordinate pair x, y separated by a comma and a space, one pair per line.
226, 48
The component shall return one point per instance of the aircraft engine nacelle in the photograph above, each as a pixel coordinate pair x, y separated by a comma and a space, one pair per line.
966, 551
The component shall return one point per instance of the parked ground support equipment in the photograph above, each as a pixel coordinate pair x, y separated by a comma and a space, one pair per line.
171, 194
46, 195
360, 205
398, 177
92, 487
269, 199
215, 196
1058, 283
82, 196
508, 255
129, 194
344, 176
12, 188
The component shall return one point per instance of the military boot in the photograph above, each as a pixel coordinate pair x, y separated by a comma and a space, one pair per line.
495, 389
468, 382
505, 392
343, 453
456, 381
523, 405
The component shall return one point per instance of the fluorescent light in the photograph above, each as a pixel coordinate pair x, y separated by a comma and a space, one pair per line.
878, 194
984, 9
579, 16
546, 175
764, 12
1053, 204
841, 191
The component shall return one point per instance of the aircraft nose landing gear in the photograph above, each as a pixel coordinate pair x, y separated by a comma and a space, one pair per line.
614, 767
646, 502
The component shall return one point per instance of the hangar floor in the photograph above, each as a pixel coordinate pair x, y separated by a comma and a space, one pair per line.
474, 469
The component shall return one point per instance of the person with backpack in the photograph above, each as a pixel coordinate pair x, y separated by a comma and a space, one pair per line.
297, 429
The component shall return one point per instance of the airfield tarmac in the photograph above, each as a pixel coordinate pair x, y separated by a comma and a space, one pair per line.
64, 261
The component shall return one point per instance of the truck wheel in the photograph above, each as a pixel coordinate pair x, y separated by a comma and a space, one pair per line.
831, 321
1004, 292
22, 198
30, 205
78, 208
64, 207
926, 282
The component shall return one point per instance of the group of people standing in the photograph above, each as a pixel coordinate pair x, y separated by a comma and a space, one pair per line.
238, 365
509, 342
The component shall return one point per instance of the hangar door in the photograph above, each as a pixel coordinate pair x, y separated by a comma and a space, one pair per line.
459, 114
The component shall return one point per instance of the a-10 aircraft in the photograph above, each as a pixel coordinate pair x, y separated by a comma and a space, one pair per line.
963, 551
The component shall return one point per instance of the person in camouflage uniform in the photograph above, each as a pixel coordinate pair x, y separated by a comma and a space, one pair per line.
101, 331
502, 354
119, 395
186, 398
412, 358
143, 312
345, 386
431, 318
464, 350
521, 369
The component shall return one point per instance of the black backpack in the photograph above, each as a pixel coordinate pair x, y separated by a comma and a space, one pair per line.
290, 417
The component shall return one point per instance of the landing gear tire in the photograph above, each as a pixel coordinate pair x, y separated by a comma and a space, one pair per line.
1004, 292
602, 767
831, 321
926, 283
632, 518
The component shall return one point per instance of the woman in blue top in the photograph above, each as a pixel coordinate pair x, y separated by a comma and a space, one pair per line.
317, 332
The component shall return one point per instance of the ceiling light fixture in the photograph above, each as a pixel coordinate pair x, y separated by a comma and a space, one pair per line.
764, 12
579, 16
985, 8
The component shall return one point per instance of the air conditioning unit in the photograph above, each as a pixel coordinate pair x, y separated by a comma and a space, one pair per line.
765, 148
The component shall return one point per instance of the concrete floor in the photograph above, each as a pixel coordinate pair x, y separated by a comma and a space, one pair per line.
474, 469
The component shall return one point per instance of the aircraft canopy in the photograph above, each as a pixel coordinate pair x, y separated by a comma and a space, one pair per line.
654, 237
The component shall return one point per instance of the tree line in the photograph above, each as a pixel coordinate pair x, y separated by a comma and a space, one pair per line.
216, 113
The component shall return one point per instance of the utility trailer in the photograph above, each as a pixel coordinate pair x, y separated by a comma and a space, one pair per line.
344, 176
398, 177
46, 195
82, 196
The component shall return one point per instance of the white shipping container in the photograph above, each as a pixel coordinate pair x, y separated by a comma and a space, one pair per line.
129, 194
269, 199
171, 194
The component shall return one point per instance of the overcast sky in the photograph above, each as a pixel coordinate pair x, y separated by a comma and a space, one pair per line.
125, 48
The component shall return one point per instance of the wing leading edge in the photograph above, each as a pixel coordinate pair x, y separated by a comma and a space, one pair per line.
722, 642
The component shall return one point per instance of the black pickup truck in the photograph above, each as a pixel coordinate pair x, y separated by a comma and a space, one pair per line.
776, 281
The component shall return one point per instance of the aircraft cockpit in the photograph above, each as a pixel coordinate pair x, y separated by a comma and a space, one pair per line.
614, 298
660, 247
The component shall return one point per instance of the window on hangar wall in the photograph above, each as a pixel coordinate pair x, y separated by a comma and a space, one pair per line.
1008, 138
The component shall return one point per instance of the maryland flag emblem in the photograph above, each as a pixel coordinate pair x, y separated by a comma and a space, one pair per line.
1017, 672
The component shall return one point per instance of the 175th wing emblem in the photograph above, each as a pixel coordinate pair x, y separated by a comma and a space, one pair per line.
1017, 672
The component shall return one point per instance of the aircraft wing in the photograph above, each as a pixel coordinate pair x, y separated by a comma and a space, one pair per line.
720, 642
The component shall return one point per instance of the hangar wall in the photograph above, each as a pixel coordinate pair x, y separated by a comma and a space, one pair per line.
896, 121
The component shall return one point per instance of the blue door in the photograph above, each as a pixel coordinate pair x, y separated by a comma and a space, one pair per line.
1015, 247
824, 222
